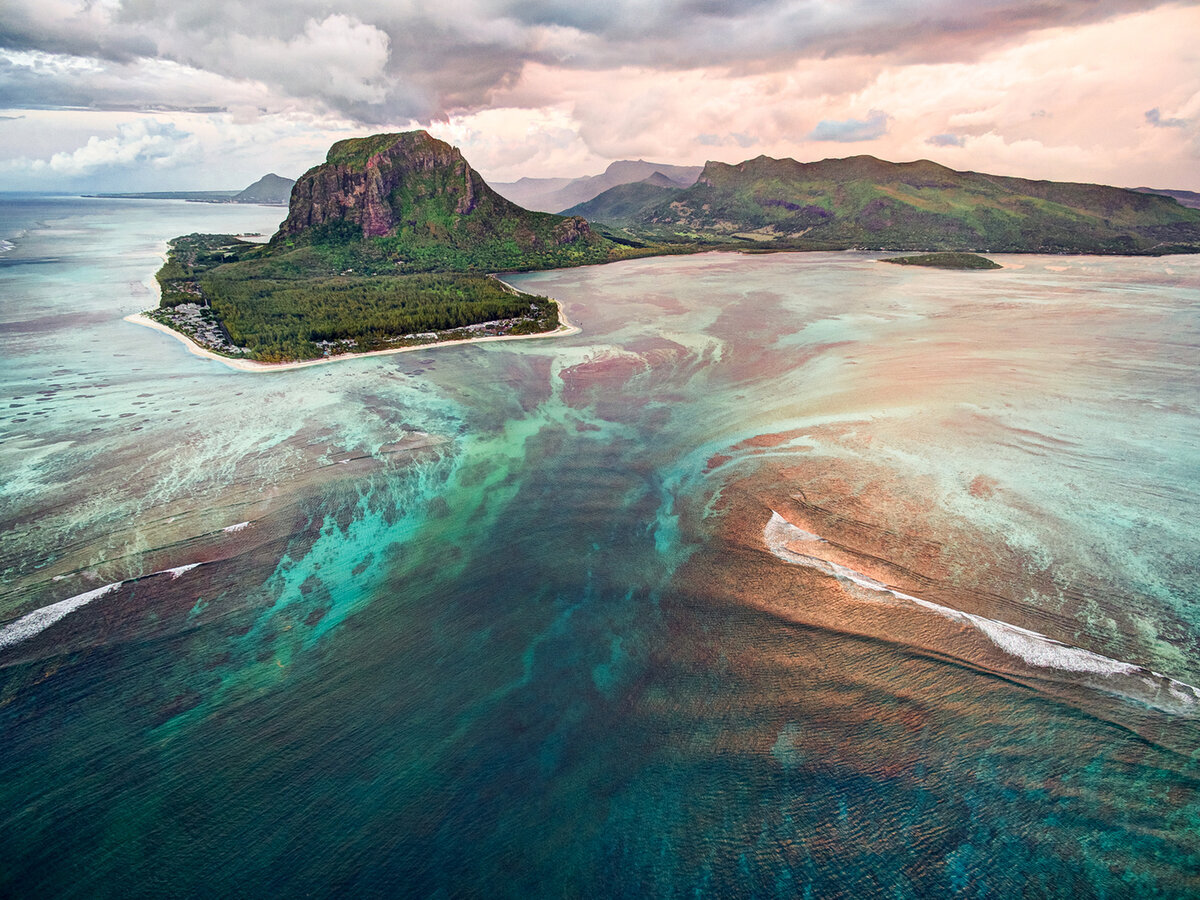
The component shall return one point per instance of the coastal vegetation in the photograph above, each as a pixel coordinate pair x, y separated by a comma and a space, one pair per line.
945, 261
233, 297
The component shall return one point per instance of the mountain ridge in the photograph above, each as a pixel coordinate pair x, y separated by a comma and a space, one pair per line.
1190, 199
868, 203
558, 195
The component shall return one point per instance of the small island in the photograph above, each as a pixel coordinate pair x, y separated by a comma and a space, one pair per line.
945, 261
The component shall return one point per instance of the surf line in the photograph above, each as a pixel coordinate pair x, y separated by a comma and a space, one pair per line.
40, 619
1032, 647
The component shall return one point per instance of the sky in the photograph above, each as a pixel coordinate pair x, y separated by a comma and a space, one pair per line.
212, 94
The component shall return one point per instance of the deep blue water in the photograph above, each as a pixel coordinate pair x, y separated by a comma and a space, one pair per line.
512, 619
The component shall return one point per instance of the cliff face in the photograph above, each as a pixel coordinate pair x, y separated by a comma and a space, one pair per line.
390, 182
358, 178
409, 202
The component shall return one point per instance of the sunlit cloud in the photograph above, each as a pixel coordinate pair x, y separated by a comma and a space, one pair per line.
547, 87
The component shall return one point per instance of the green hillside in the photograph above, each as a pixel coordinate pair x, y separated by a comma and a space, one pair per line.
410, 203
863, 202
623, 204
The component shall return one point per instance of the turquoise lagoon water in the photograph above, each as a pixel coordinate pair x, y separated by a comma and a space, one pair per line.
789, 575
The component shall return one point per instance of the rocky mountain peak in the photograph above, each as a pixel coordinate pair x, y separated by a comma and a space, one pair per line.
375, 181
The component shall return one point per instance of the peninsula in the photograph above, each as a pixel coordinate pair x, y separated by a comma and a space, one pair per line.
389, 244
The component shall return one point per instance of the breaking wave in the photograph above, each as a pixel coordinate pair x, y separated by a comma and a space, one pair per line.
40, 619
1031, 647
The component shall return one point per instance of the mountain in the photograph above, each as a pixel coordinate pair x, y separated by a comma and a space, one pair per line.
1190, 199
558, 194
269, 190
530, 192
658, 179
623, 204
869, 203
386, 244
413, 203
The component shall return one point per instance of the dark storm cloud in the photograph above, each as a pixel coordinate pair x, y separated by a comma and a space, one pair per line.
377, 62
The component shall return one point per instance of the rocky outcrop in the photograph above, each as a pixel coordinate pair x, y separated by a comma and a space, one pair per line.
411, 203
572, 229
376, 182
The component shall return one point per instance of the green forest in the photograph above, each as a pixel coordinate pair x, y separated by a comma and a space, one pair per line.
279, 310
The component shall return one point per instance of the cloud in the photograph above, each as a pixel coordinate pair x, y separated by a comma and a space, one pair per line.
1155, 118
379, 62
732, 139
558, 87
338, 59
36, 80
947, 139
875, 125
141, 143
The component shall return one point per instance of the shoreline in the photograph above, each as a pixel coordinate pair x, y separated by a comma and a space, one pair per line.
565, 329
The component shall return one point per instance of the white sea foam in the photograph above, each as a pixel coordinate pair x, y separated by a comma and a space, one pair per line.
780, 531
5, 246
1031, 647
230, 529
40, 619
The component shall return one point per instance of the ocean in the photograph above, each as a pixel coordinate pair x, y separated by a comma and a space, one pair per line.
790, 575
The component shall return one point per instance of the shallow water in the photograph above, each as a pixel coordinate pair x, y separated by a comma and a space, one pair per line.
505, 619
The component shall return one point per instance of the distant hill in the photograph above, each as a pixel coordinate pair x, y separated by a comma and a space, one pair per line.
658, 179
624, 203
864, 202
270, 190
1190, 199
559, 194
